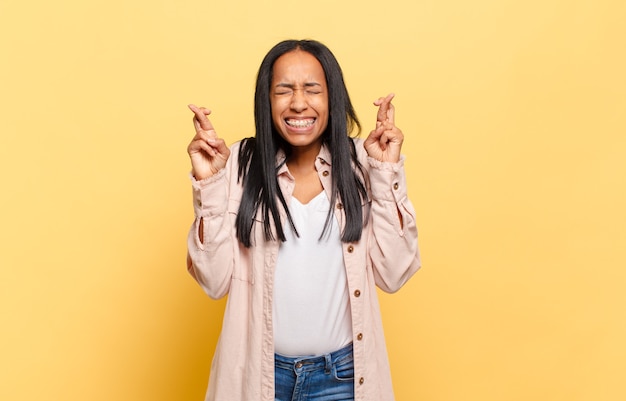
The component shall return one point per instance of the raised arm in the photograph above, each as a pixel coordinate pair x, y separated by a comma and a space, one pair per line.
210, 246
393, 248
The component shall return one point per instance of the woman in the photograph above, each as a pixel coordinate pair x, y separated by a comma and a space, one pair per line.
298, 226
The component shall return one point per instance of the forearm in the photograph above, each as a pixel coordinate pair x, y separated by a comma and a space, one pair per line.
210, 241
393, 245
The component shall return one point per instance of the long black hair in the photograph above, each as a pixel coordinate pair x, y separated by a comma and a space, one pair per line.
257, 156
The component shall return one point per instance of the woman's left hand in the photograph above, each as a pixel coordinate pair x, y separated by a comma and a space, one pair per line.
384, 142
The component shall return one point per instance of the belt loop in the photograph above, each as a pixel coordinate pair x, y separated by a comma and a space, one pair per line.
329, 363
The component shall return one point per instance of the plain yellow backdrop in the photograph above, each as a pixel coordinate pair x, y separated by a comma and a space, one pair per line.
514, 114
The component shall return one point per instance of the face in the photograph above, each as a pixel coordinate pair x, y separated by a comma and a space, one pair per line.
299, 99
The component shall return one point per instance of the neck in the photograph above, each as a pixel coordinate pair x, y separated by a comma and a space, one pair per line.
303, 158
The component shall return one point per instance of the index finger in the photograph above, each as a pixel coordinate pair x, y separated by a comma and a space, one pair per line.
200, 120
385, 109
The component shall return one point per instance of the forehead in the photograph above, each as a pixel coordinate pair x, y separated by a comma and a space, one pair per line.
296, 66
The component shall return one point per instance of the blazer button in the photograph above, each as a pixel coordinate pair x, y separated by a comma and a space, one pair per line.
361, 380
395, 186
325, 173
357, 293
199, 203
350, 249
359, 337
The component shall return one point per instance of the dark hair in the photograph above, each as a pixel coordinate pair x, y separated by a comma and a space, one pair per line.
257, 156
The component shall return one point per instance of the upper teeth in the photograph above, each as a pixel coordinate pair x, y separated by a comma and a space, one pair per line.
300, 123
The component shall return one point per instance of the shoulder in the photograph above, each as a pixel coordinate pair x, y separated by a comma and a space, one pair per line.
361, 154
241, 151
236, 146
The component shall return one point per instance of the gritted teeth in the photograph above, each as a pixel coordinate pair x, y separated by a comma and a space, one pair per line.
300, 123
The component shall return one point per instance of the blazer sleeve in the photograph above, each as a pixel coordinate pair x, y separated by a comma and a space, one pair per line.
392, 247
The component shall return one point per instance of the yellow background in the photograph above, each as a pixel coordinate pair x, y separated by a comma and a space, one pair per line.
514, 114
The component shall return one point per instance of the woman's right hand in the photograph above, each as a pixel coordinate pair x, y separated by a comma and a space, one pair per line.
207, 151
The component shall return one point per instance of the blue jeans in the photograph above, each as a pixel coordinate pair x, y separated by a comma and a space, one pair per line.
328, 377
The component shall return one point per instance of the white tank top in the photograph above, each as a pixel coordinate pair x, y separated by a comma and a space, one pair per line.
311, 302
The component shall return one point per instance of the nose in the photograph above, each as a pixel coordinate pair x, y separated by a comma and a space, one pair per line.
298, 101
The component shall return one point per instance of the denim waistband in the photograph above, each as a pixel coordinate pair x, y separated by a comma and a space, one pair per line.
315, 362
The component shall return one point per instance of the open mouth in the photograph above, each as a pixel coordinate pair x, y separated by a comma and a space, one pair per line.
300, 123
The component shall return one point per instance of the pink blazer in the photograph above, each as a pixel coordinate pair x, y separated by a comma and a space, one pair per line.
386, 257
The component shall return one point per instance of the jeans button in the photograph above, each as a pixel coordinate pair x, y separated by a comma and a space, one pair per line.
298, 365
